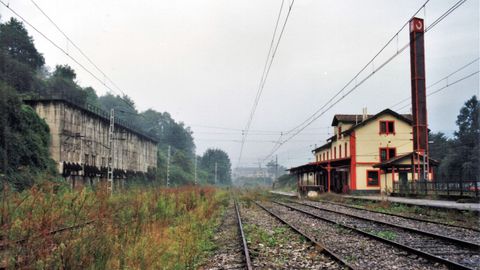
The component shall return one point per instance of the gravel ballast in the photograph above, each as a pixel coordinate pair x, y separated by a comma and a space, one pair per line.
357, 249
273, 245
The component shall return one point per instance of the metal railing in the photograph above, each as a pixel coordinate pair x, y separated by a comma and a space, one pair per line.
449, 188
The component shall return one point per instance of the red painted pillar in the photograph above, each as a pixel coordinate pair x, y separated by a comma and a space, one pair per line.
353, 162
328, 176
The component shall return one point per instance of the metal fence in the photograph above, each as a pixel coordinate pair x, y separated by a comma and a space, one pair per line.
449, 188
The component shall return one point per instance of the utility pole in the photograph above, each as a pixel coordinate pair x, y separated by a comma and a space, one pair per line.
110, 152
195, 170
215, 172
276, 171
168, 166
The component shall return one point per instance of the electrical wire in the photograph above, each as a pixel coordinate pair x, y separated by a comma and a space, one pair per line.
315, 117
446, 86
267, 72
439, 81
110, 89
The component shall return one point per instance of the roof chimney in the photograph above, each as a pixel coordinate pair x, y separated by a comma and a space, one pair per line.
364, 114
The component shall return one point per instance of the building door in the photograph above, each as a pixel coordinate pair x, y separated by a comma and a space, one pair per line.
403, 179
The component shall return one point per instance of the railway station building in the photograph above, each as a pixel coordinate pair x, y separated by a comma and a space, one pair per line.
366, 154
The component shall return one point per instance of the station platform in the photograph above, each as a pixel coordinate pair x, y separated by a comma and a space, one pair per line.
424, 202
284, 193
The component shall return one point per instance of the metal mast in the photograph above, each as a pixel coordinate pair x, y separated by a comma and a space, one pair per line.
168, 166
110, 152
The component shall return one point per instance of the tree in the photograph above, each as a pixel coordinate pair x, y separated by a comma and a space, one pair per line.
19, 57
224, 167
17, 44
468, 139
24, 141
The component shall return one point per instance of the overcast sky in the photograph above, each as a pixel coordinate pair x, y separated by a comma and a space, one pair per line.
201, 61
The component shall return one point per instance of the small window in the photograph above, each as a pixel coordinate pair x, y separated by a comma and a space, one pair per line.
339, 151
391, 153
383, 154
373, 178
383, 127
387, 153
387, 127
334, 152
346, 150
391, 127
339, 131
86, 159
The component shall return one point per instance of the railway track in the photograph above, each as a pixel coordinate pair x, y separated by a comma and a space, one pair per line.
430, 221
233, 253
246, 253
320, 257
452, 233
452, 252
357, 249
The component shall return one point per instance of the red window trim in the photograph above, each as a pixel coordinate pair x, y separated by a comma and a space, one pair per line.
388, 153
378, 172
334, 152
387, 132
346, 150
340, 151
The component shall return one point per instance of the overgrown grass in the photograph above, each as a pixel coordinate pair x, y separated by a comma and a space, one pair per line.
135, 229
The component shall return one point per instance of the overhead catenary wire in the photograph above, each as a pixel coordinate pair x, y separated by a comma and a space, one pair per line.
266, 71
110, 89
319, 113
446, 86
439, 81
369, 63
77, 47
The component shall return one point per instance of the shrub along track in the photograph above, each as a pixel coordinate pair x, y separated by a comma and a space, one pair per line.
274, 245
452, 252
358, 249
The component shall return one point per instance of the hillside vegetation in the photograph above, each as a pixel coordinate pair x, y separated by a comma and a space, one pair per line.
25, 137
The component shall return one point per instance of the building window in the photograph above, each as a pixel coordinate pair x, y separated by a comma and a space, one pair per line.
339, 131
387, 153
346, 150
339, 151
387, 127
328, 155
86, 159
373, 178
324, 156
334, 152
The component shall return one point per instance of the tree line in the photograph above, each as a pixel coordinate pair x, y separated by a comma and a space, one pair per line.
25, 137
459, 155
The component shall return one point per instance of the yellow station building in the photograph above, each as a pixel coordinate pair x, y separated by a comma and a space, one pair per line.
366, 154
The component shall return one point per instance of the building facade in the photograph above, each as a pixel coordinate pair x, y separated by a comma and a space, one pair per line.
80, 146
366, 154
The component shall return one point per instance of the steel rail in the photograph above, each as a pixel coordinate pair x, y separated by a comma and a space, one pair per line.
448, 263
403, 216
460, 242
248, 262
323, 249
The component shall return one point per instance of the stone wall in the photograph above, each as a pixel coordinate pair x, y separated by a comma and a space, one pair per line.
80, 137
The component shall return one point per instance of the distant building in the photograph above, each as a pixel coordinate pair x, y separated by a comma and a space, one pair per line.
251, 172
366, 154
79, 142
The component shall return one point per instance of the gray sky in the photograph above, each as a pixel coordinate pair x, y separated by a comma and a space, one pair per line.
202, 61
